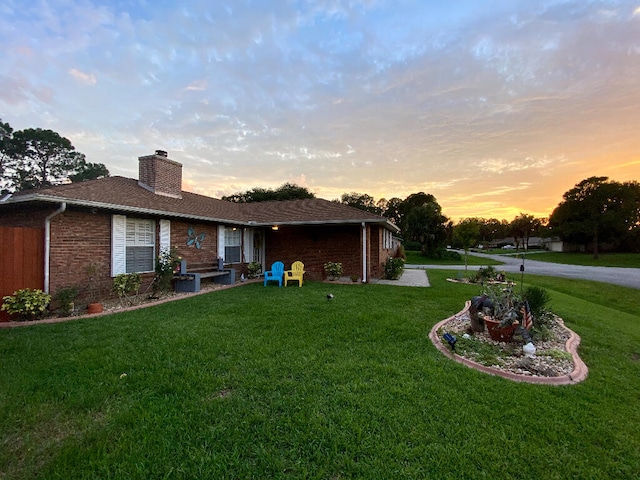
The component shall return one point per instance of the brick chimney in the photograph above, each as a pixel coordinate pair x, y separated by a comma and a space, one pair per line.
160, 175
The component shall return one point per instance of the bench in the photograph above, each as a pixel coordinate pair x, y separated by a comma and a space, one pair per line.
188, 280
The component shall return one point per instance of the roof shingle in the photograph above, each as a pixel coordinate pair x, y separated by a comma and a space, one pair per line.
124, 194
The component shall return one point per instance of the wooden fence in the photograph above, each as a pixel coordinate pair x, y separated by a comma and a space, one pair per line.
21, 260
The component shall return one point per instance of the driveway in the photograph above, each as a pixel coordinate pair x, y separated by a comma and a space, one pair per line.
627, 277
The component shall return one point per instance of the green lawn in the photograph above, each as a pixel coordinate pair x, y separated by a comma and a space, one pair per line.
255, 382
629, 260
415, 258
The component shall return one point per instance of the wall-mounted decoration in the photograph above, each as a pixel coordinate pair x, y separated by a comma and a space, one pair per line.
193, 239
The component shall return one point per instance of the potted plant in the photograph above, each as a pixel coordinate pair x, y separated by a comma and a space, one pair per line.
333, 270
501, 310
93, 306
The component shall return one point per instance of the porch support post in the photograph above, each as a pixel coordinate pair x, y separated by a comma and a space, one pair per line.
364, 252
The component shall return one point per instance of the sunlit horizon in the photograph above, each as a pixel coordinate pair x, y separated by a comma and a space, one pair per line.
494, 108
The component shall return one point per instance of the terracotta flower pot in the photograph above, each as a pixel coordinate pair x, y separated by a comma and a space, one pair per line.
500, 334
94, 308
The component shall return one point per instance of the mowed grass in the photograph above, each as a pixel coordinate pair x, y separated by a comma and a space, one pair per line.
255, 382
628, 260
416, 258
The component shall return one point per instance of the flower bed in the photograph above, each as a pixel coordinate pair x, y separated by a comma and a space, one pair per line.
555, 361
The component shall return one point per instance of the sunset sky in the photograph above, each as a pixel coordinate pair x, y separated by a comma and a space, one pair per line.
494, 107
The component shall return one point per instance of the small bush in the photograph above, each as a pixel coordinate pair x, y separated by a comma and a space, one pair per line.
484, 274
254, 269
126, 283
449, 255
27, 303
538, 299
167, 265
393, 268
333, 270
411, 245
65, 297
442, 254
399, 253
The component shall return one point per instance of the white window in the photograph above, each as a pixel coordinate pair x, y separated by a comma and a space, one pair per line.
140, 241
387, 240
133, 244
232, 245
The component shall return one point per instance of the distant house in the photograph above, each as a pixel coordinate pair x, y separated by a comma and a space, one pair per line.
553, 244
119, 225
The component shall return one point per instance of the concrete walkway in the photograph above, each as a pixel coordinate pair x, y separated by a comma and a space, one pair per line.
626, 277
411, 277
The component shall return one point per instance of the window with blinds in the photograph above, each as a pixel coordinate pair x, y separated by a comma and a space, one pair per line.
232, 245
140, 238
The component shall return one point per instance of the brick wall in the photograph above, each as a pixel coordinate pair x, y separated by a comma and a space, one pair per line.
314, 246
379, 254
208, 251
160, 175
80, 239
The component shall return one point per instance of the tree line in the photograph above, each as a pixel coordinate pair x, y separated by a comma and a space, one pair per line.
595, 212
36, 158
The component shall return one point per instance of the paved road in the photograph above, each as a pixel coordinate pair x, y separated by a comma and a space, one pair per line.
627, 277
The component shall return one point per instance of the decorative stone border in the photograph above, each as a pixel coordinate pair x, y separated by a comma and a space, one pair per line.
49, 320
580, 370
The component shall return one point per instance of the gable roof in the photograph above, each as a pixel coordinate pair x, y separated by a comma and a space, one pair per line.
310, 210
120, 194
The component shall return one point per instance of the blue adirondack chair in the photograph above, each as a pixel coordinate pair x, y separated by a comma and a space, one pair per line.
276, 273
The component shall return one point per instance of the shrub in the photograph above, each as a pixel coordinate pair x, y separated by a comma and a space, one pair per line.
333, 270
393, 268
484, 274
65, 297
449, 255
538, 299
399, 253
543, 319
167, 264
254, 269
27, 303
411, 245
126, 283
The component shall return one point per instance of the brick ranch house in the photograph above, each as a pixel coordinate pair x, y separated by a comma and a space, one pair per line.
119, 225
